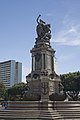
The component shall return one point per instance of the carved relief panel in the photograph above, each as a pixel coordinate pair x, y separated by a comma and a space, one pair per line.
38, 61
44, 87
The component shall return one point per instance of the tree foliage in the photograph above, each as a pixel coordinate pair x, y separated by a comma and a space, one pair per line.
2, 90
21, 92
16, 92
71, 81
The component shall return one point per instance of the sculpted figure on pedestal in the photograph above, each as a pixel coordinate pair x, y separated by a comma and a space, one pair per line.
43, 29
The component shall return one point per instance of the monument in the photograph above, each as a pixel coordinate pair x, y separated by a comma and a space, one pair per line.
44, 99
43, 80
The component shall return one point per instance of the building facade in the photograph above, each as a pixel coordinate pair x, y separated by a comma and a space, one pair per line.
10, 73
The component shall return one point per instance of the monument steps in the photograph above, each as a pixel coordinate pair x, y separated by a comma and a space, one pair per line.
68, 109
25, 114
49, 114
61, 110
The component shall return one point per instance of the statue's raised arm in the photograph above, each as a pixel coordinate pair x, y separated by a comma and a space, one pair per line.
38, 19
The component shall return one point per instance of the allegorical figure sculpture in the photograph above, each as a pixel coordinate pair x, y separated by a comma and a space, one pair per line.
43, 29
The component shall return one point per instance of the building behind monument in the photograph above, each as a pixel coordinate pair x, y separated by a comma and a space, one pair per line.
10, 72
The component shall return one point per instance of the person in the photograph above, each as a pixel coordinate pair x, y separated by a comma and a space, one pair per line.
4, 104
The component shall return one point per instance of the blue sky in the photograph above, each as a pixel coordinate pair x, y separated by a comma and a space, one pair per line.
18, 31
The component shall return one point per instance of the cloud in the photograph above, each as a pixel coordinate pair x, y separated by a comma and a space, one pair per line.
72, 30
70, 35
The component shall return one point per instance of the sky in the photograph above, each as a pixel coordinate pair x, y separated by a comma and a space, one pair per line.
18, 31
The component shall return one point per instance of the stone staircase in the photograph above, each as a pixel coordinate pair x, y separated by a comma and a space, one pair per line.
20, 110
29, 114
69, 110
37, 110
50, 115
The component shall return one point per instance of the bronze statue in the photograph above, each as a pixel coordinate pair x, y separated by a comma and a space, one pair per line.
43, 29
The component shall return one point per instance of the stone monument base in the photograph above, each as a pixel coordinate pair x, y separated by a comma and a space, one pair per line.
44, 88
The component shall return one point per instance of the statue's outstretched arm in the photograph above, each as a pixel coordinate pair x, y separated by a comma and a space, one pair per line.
38, 18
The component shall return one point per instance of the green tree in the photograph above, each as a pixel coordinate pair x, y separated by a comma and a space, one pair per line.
2, 90
71, 81
16, 92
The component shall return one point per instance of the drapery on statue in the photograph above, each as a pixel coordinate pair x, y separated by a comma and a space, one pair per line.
43, 29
